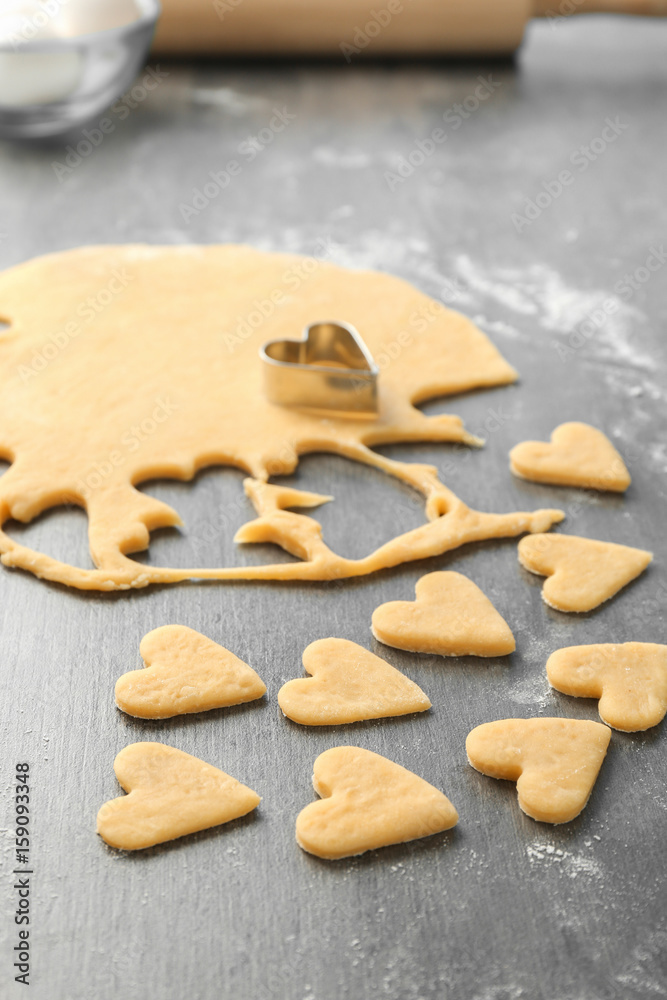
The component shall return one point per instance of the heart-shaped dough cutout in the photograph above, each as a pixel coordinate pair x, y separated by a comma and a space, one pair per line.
577, 455
554, 762
348, 684
450, 616
171, 794
368, 802
185, 672
630, 679
583, 572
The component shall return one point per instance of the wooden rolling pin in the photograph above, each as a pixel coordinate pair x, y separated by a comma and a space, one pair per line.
353, 28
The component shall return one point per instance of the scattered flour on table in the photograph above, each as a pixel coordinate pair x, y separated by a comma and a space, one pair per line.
499, 284
644, 970
536, 290
656, 452
541, 855
532, 690
539, 291
496, 326
411, 257
231, 100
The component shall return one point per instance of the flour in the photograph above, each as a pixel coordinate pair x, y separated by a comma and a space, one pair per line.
586, 320
569, 865
410, 257
608, 321
499, 327
644, 971
500, 285
532, 690
225, 97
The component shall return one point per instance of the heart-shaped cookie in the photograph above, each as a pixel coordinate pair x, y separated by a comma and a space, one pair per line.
451, 616
582, 572
368, 802
185, 672
577, 455
554, 762
348, 684
630, 679
171, 794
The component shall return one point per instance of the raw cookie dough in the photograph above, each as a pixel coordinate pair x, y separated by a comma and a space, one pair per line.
451, 616
171, 794
185, 672
368, 802
630, 679
577, 455
582, 572
348, 684
123, 364
554, 762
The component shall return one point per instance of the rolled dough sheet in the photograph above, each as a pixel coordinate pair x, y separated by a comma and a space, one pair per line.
126, 363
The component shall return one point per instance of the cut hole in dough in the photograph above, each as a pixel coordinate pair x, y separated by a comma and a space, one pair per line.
169, 379
60, 531
357, 493
213, 506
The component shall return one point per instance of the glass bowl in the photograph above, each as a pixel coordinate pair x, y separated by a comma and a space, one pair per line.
62, 62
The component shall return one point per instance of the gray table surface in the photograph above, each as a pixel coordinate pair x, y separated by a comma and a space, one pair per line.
501, 908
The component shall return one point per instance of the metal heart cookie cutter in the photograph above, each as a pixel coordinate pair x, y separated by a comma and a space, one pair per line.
330, 368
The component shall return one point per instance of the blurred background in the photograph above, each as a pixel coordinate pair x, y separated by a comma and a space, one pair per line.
509, 165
